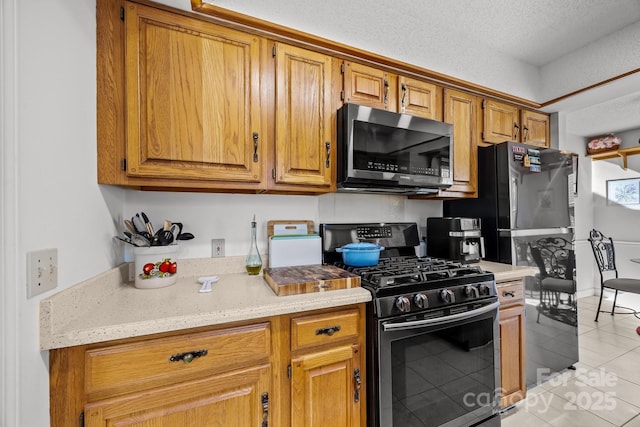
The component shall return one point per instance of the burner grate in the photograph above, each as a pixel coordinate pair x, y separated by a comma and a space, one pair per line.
395, 271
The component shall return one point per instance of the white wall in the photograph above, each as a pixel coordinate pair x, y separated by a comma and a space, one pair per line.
48, 184
620, 222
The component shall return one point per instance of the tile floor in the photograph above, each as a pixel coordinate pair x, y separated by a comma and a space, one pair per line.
604, 390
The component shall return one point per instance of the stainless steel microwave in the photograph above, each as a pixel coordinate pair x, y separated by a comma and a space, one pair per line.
384, 152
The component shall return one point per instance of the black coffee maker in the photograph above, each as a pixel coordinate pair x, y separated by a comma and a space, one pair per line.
455, 238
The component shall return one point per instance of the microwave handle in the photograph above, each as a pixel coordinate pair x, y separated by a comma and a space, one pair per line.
482, 247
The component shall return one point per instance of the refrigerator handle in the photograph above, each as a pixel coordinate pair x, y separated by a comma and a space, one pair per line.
513, 202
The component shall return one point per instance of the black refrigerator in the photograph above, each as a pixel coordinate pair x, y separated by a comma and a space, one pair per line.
526, 196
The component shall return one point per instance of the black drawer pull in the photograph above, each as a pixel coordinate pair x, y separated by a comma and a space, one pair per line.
329, 331
508, 294
188, 356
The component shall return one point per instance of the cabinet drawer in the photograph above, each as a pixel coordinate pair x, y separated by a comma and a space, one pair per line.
139, 365
309, 331
511, 293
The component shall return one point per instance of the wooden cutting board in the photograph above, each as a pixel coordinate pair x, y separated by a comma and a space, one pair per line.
309, 278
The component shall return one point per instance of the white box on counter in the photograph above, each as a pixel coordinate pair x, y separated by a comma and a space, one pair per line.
289, 251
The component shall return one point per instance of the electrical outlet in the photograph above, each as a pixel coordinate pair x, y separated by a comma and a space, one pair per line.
42, 271
217, 248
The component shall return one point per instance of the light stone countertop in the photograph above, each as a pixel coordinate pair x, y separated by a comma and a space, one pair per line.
108, 307
505, 272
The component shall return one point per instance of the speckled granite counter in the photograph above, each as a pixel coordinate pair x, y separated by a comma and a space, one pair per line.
107, 307
504, 272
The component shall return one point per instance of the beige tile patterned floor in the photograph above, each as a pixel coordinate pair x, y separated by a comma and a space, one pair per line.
604, 390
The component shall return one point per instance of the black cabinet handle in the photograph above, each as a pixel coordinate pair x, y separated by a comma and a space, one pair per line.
265, 409
188, 356
358, 384
525, 134
255, 147
516, 129
386, 91
508, 294
328, 331
404, 95
327, 145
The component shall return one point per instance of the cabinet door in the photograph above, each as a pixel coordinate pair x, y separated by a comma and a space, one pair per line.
325, 388
512, 351
237, 399
192, 99
368, 86
462, 110
419, 98
501, 122
305, 117
535, 128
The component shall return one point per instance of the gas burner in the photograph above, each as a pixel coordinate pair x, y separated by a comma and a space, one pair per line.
397, 271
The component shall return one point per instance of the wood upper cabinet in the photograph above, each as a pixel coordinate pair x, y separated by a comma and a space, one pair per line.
327, 377
506, 122
535, 128
192, 99
419, 98
462, 110
501, 122
369, 86
305, 116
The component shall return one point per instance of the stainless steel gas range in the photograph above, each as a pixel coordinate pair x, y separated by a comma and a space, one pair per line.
433, 354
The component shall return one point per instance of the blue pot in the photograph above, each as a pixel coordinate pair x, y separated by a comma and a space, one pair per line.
360, 254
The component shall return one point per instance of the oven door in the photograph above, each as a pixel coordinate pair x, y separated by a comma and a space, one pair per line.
439, 371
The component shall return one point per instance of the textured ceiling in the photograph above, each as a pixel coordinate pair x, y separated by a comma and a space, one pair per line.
486, 34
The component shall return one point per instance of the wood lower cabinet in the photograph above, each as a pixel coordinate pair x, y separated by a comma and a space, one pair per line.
512, 342
283, 371
234, 399
326, 370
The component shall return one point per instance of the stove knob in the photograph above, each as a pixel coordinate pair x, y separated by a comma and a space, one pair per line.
421, 301
447, 295
403, 304
471, 292
485, 290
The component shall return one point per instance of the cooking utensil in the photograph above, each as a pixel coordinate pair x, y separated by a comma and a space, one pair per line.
360, 254
164, 237
185, 236
140, 240
138, 224
147, 223
130, 226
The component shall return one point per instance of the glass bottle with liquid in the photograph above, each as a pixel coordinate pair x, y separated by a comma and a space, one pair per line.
253, 262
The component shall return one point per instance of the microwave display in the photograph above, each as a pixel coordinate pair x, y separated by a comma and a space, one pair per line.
389, 149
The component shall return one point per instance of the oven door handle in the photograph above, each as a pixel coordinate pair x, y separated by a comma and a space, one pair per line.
440, 320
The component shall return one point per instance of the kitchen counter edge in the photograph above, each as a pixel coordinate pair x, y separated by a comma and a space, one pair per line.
107, 307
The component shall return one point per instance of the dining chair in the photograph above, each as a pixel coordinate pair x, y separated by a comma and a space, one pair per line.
555, 259
605, 255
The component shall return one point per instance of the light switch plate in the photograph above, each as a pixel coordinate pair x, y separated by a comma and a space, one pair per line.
42, 271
